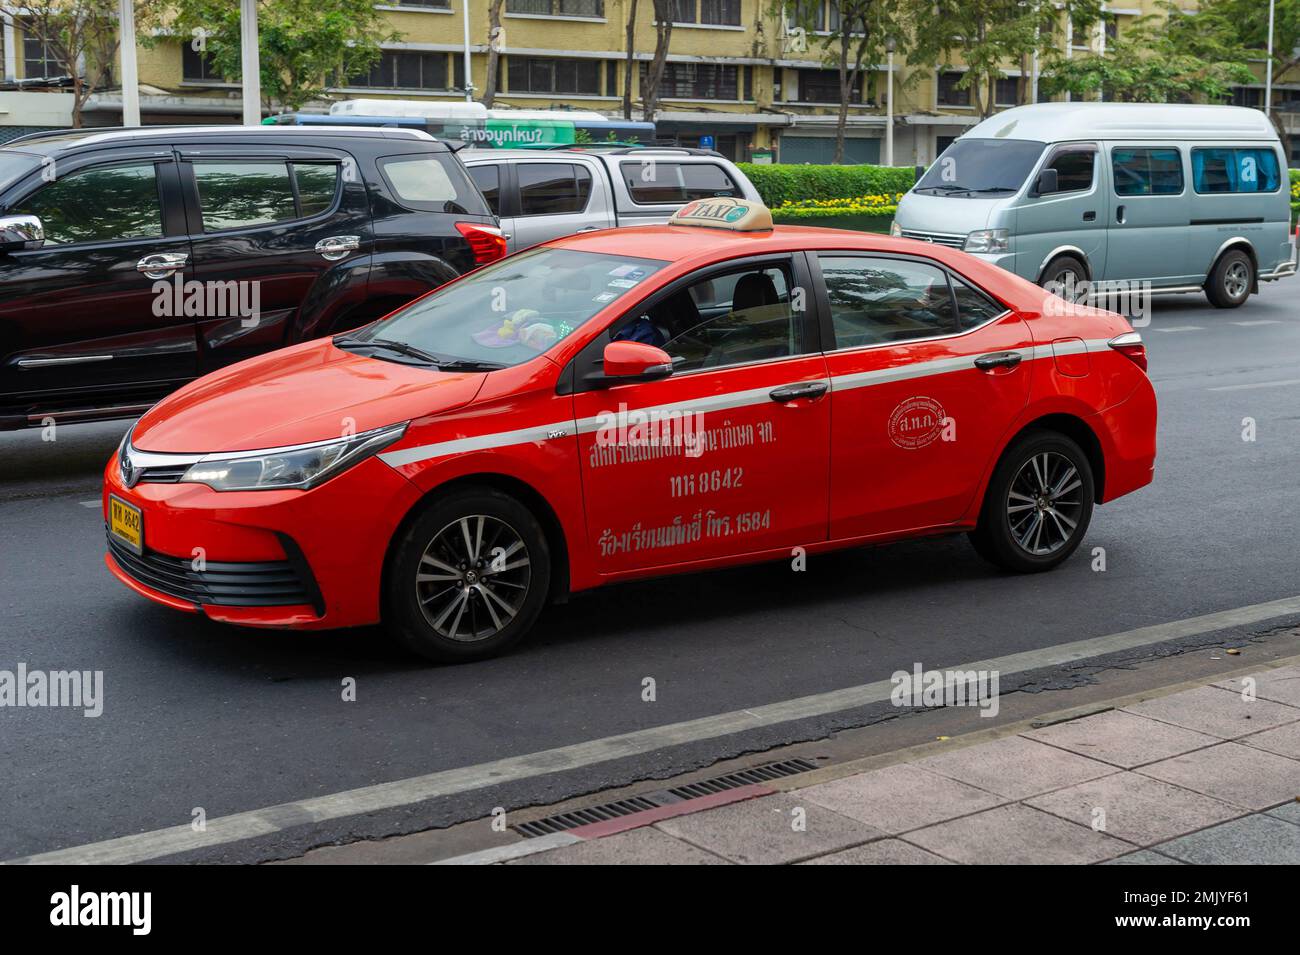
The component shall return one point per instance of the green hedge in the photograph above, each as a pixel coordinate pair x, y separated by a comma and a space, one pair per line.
779, 182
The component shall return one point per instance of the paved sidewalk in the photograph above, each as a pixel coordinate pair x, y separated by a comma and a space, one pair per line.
1199, 776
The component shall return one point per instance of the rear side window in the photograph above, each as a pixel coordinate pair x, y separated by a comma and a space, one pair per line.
974, 308
878, 301
551, 188
237, 195
488, 179
1147, 172
653, 181
102, 204
433, 183
1227, 169
317, 184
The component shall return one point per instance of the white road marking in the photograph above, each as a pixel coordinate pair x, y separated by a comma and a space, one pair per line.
1179, 328
222, 830
95, 503
1258, 321
1258, 384
515, 850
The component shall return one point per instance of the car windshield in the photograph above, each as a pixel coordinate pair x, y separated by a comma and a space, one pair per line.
507, 312
981, 167
14, 165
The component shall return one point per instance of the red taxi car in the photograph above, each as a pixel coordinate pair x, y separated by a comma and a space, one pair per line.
624, 404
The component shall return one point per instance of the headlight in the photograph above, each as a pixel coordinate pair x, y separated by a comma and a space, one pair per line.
300, 466
987, 240
895, 229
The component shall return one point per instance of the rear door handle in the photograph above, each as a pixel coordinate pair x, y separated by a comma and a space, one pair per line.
1001, 359
162, 264
1090, 215
806, 389
337, 246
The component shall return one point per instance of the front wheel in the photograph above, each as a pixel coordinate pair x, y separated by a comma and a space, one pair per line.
469, 577
1038, 504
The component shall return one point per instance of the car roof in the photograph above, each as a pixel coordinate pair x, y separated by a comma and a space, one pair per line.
472, 154
58, 140
1067, 122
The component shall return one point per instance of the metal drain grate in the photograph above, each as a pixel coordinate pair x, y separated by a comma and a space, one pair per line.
564, 821
745, 777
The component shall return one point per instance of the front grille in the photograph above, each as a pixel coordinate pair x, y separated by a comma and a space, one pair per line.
170, 474
938, 238
271, 583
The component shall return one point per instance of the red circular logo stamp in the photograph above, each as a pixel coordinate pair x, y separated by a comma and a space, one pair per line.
916, 422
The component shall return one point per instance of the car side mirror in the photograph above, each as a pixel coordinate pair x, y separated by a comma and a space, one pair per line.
1048, 181
20, 233
628, 362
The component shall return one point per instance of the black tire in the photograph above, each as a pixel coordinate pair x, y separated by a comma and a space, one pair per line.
1231, 280
478, 520
1062, 266
1004, 536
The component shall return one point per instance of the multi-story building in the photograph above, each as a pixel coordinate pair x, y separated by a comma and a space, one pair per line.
738, 76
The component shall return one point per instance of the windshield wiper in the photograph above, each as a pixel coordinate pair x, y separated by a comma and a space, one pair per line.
468, 364
403, 348
945, 187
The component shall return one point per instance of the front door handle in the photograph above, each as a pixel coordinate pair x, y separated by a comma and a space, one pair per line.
806, 389
1090, 215
1001, 359
1119, 214
338, 246
162, 264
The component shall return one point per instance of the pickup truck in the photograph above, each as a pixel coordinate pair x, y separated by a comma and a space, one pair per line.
540, 195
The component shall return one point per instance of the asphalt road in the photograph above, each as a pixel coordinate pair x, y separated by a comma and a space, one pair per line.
202, 715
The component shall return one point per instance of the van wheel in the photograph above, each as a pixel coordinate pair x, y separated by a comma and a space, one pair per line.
1038, 504
1230, 280
468, 578
1064, 271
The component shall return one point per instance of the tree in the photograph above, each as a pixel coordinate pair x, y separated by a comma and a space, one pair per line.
1250, 19
1166, 57
496, 41
629, 65
81, 36
654, 74
305, 46
983, 35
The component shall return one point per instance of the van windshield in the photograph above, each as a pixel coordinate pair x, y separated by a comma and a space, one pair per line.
981, 167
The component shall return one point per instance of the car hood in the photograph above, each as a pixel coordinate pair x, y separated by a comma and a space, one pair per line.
308, 392
926, 213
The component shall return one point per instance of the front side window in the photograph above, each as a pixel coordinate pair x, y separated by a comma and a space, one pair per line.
101, 204
1074, 169
742, 316
1147, 172
552, 188
238, 195
651, 181
1227, 169
878, 301
548, 293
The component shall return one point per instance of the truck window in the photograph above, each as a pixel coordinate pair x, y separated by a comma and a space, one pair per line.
552, 188
651, 181
1147, 172
1228, 169
488, 179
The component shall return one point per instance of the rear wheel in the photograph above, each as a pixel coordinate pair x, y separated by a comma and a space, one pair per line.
1230, 280
469, 577
1038, 504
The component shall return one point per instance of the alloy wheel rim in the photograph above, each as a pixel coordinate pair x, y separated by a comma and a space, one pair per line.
473, 578
1236, 280
1045, 503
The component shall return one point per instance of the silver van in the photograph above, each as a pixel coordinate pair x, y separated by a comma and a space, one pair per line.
541, 195
1186, 198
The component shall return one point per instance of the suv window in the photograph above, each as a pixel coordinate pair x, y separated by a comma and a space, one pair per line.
1223, 169
652, 181
877, 301
1147, 172
1074, 168
237, 195
100, 204
317, 184
433, 183
551, 188
742, 316
487, 177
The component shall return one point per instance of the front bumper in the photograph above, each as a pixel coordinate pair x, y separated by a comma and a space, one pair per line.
294, 559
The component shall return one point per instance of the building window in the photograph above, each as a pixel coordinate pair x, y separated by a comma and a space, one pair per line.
708, 12
558, 8
949, 94
1250, 96
1111, 23
823, 86
197, 67
697, 81
821, 16
434, 4
405, 71
39, 61
538, 75
1006, 91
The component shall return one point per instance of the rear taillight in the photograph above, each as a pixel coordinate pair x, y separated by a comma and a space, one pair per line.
1130, 346
486, 241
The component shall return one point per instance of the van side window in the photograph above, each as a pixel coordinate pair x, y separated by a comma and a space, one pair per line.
1073, 169
1147, 172
877, 301
1226, 169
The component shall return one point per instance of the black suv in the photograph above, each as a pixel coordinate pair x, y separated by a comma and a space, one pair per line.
133, 260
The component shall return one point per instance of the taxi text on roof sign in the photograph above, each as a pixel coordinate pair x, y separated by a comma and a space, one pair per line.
737, 215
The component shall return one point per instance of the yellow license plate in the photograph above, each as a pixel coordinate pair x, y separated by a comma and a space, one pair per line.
126, 523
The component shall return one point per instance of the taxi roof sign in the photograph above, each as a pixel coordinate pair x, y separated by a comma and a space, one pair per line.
723, 212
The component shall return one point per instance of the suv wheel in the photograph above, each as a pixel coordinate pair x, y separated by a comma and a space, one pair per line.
468, 578
1230, 280
1038, 504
